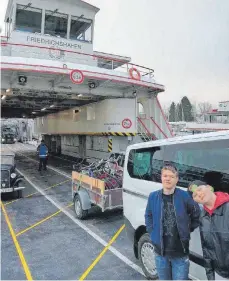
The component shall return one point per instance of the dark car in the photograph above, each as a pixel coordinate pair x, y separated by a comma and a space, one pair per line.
8, 138
11, 181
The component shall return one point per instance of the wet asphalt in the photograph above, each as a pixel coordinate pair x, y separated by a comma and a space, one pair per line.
58, 248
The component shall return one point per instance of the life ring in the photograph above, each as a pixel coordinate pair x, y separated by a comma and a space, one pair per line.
137, 76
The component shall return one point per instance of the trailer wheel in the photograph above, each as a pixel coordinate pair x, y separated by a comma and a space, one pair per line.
147, 257
80, 213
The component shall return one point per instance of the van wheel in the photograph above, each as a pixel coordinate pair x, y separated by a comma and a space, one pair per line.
147, 257
80, 213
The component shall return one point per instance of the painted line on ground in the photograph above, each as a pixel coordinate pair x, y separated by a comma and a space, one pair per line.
18, 248
31, 194
84, 227
32, 150
79, 223
50, 167
55, 156
89, 269
41, 221
112, 249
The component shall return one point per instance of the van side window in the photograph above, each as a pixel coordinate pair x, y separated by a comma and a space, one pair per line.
207, 161
145, 164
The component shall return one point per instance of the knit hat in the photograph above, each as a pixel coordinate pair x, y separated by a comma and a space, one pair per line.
193, 185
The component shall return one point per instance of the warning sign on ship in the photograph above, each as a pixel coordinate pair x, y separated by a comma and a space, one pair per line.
126, 123
77, 76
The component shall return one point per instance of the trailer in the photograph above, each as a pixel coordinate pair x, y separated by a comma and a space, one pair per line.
97, 185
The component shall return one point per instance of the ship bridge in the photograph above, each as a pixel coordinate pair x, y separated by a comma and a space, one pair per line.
51, 73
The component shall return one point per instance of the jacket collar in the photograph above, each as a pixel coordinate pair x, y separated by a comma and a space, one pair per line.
161, 191
218, 212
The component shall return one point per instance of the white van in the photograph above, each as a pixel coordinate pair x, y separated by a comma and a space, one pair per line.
203, 157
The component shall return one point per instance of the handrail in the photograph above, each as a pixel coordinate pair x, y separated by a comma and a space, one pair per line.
144, 126
139, 119
149, 70
158, 127
166, 121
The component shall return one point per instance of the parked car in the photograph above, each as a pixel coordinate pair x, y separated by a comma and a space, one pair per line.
8, 138
11, 181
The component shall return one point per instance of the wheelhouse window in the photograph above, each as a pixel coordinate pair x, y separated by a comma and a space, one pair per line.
28, 19
56, 24
81, 29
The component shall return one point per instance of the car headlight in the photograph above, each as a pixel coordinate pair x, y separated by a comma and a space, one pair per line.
3, 139
13, 175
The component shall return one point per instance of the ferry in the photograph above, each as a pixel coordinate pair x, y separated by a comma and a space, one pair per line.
84, 103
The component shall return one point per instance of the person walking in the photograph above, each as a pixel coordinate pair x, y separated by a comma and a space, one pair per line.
42, 151
214, 228
171, 215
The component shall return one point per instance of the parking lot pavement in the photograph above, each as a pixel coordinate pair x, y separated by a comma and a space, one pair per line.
11, 268
101, 223
56, 247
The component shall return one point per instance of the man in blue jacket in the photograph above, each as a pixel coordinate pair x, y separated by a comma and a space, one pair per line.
171, 215
42, 150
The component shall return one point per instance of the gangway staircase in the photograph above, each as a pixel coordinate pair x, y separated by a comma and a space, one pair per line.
143, 132
149, 129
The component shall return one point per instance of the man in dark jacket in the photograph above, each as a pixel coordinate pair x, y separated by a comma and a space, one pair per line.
214, 228
42, 151
171, 215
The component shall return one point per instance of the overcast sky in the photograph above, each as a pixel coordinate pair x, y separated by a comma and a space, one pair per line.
186, 42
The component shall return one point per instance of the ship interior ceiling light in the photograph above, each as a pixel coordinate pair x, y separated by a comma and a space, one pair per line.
3, 97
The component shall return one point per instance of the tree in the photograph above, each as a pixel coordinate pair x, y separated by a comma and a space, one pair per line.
172, 112
179, 112
187, 109
166, 110
204, 107
176, 111
194, 111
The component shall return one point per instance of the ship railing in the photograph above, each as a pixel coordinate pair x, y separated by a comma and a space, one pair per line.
71, 56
